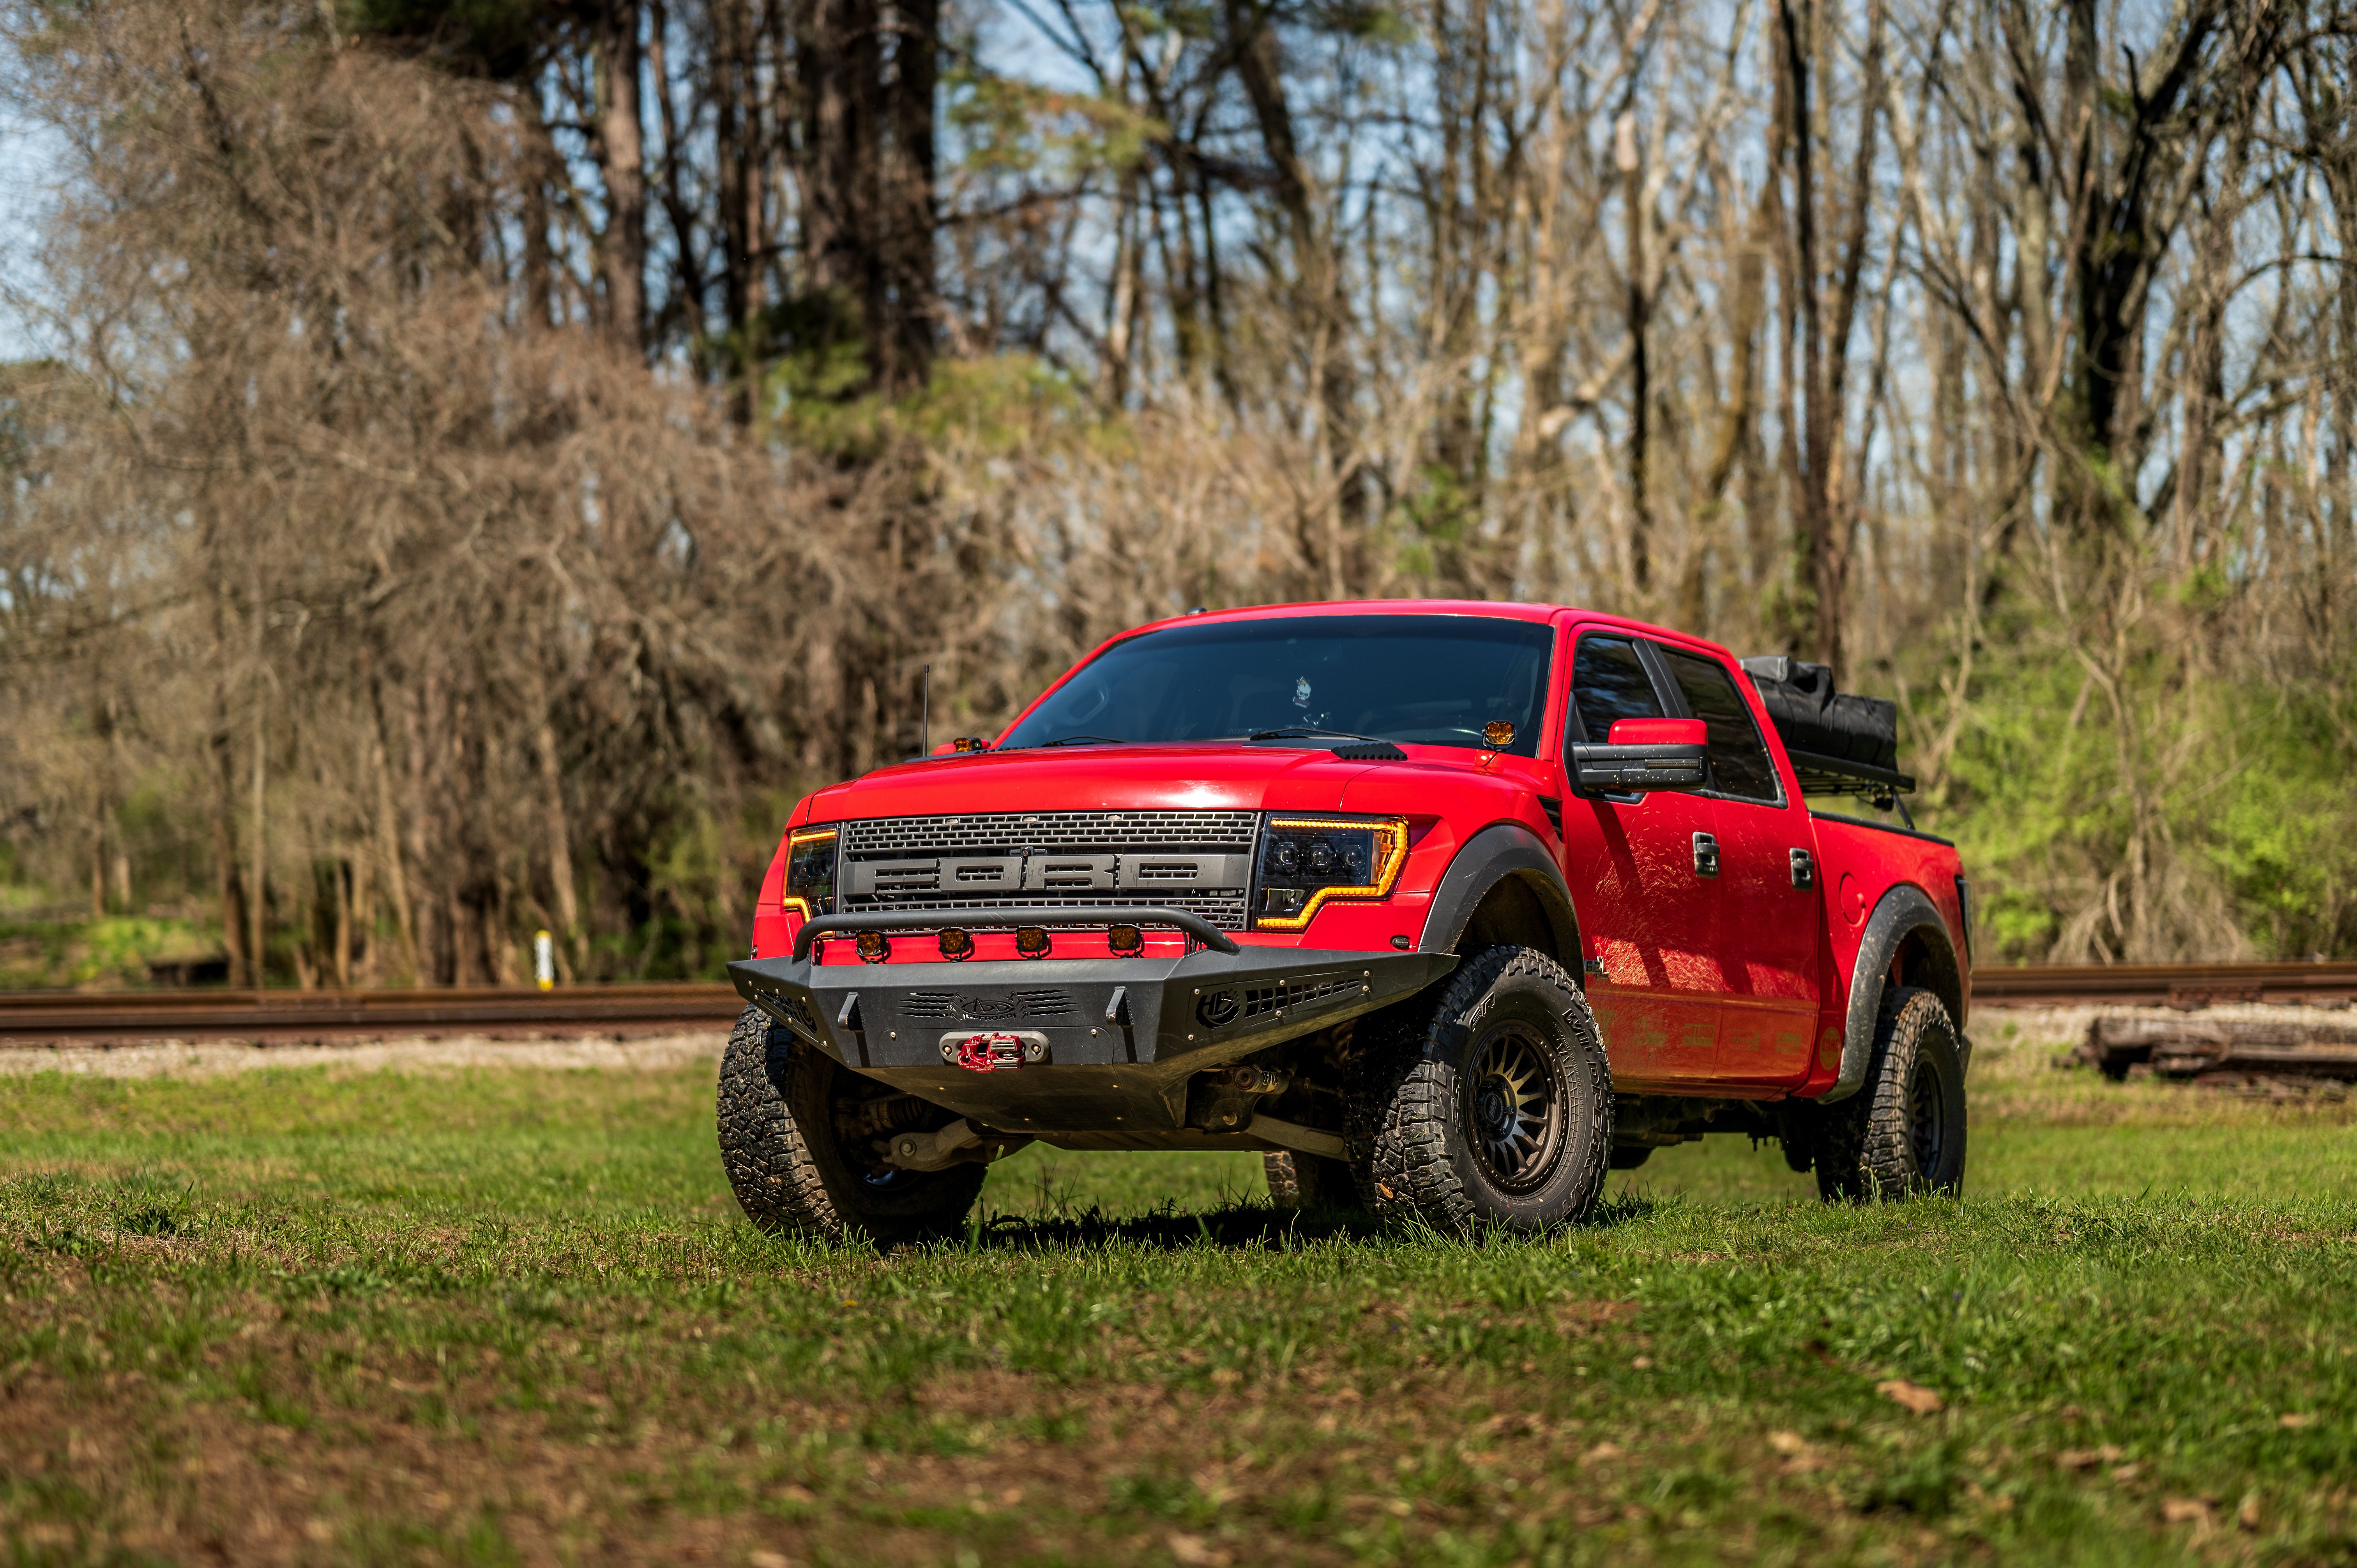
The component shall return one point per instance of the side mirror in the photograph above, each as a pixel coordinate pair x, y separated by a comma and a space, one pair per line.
1643, 755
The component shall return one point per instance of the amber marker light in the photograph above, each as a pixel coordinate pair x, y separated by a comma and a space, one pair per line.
1126, 941
1390, 841
1031, 941
872, 947
956, 945
1498, 734
809, 873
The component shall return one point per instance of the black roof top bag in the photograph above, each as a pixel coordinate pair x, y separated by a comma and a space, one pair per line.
1828, 732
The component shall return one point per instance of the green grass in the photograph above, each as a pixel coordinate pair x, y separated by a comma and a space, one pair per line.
507, 1317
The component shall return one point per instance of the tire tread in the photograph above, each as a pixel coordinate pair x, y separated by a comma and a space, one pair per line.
1862, 1148
783, 1166
1406, 1096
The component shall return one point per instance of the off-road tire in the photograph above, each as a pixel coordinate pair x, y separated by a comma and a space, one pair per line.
1310, 1183
1903, 1132
1417, 1110
780, 1149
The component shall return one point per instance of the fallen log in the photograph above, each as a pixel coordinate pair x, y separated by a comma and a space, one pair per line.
2244, 1049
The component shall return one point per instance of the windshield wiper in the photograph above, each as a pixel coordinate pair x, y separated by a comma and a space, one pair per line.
1303, 732
1083, 740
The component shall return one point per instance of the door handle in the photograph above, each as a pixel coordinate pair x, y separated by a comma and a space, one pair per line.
1705, 850
1804, 869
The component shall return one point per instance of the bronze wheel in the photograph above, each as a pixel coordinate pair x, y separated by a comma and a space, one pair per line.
1516, 1109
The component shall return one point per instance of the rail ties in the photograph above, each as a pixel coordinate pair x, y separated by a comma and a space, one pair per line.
54, 1017
2185, 987
62, 1017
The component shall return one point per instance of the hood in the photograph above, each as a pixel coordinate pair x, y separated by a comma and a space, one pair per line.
1229, 777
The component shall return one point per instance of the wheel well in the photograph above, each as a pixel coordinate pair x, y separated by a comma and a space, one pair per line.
1924, 958
1511, 914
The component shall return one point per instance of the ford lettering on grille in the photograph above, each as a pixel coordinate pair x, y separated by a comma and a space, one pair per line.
1197, 861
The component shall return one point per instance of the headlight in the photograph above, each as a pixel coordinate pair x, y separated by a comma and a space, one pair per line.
810, 872
1305, 861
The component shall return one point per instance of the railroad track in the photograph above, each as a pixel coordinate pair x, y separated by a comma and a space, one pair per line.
32, 1018
2188, 985
286, 1017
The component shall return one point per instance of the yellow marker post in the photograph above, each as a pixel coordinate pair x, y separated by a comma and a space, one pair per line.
544, 961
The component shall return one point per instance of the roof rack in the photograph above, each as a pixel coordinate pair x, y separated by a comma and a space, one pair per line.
1822, 775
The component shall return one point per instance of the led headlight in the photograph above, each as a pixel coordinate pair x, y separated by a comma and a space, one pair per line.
1305, 861
809, 873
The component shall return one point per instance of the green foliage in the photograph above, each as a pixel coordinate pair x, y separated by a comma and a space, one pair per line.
1001, 405
998, 406
114, 950
2285, 835
1012, 127
2149, 796
816, 381
1441, 517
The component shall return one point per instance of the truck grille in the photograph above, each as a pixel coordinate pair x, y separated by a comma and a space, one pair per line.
1197, 861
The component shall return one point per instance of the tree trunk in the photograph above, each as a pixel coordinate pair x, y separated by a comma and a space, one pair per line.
911, 205
869, 209
1628, 159
230, 876
1818, 628
560, 839
622, 141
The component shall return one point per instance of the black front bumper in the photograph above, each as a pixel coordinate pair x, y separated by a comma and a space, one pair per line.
1123, 1035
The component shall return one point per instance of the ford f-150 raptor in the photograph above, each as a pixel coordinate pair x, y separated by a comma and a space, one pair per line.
1444, 909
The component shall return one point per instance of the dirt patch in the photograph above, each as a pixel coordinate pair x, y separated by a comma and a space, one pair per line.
438, 1458
291, 1437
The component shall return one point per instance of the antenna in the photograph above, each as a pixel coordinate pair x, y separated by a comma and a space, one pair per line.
925, 711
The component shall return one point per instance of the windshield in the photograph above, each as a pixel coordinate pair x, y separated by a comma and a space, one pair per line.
1428, 680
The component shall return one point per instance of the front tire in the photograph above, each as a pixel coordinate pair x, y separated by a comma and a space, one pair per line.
1903, 1132
1487, 1101
784, 1108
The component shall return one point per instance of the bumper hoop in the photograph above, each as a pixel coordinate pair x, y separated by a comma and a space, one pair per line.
1198, 929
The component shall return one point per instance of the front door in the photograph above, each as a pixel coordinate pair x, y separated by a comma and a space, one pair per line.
1646, 912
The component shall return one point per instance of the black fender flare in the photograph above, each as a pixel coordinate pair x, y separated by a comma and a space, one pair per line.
1500, 851
1899, 913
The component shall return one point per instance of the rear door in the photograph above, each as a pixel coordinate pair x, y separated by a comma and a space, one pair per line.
1644, 910
1771, 917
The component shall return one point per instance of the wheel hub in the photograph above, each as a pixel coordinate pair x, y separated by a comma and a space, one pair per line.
1516, 1100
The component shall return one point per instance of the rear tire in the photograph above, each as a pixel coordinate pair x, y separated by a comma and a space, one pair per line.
781, 1104
1486, 1100
1310, 1183
1903, 1132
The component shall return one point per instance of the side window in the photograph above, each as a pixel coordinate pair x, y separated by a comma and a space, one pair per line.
1738, 762
1607, 682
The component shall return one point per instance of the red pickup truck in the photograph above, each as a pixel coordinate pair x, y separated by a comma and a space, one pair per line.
1443, 907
